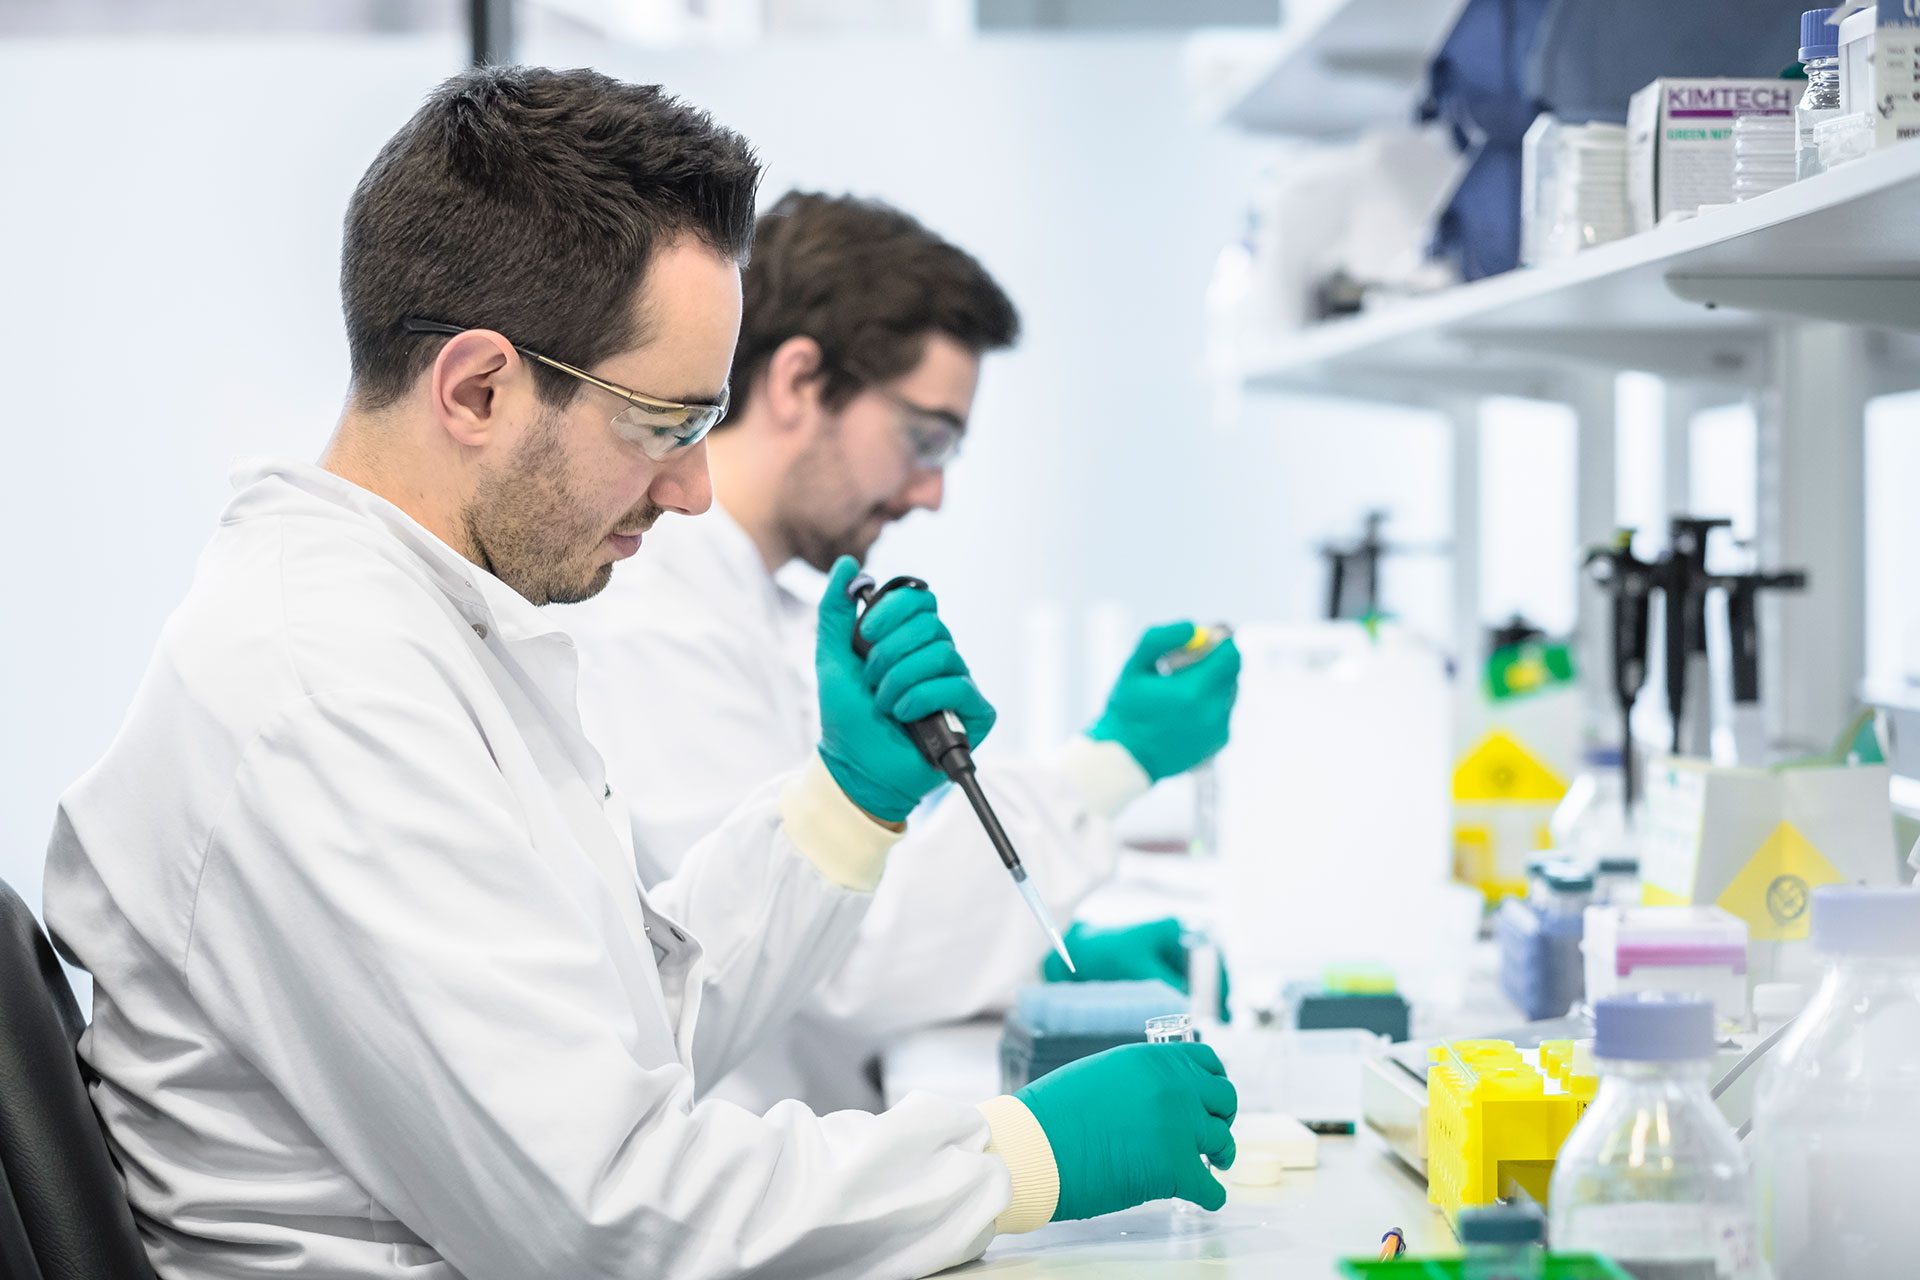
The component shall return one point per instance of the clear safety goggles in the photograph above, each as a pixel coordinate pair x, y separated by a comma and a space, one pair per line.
932, 436
659, 427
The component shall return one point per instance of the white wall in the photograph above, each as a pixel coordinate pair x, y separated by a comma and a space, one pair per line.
1074, 169
1893, 532
167, 303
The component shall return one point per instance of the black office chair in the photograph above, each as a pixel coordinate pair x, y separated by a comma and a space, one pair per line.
63, 1204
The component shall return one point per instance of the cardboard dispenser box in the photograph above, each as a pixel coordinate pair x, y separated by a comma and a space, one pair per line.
1757, 842
1680, 141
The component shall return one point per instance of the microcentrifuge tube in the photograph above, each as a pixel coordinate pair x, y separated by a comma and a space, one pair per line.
1174, 1028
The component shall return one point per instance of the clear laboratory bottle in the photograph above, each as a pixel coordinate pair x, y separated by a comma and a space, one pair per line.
1836, 1124
1652, 1176
1591, 822
1820, 54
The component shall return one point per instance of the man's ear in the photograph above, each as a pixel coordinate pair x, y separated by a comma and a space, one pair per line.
464, 384
794, 380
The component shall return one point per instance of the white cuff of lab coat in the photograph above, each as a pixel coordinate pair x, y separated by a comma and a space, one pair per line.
846, 843
1020, 1142
1105, 774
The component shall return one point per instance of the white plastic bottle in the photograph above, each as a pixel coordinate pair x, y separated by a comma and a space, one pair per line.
1836, 1123
1652, 1176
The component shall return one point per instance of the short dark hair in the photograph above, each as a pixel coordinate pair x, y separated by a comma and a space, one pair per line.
868, 283
531, 201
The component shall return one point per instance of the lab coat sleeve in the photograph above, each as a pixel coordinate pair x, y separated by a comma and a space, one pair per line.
374, 932
762, 959
948, 936
727, 742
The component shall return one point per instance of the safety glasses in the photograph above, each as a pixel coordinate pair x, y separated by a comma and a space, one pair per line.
932, 436
659, 427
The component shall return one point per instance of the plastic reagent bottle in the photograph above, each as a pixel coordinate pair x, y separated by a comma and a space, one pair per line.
1820, 53
1836, 1124
1652, 1177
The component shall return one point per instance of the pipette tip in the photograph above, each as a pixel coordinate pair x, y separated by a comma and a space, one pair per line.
1045, 917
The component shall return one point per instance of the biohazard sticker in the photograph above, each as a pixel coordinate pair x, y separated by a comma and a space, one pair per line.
1774, 890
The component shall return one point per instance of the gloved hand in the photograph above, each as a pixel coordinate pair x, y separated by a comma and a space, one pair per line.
911, 671
1156, 949
1173, 722
1130, 953
1130, 1125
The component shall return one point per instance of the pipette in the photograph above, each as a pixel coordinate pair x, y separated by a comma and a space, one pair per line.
942, 739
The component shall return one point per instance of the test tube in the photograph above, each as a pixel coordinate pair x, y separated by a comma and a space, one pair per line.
1174, 1028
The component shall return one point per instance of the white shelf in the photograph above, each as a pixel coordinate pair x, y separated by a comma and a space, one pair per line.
1696, 298
1341, 66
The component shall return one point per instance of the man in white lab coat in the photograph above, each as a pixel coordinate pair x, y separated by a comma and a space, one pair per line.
861, 341
376, 991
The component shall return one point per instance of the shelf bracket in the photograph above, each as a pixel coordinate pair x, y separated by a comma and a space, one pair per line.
1878, 302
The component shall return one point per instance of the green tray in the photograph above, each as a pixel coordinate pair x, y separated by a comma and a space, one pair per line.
1561, 1266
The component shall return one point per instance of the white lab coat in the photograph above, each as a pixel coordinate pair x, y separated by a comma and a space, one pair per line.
695, 632
376, 994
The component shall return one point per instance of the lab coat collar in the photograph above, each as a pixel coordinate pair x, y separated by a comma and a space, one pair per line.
278, 486
731, 552
722, 542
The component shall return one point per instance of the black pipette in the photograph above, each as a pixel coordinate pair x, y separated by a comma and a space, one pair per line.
1630, 581
1684, 581
942, 739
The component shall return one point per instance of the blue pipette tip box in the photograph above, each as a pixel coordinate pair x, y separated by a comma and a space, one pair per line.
1055, 1023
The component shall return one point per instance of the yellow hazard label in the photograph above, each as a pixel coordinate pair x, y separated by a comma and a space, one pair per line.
1652, 895
1500, 768
1773, 891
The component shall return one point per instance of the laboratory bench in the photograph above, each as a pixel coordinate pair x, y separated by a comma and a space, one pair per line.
1299, 1227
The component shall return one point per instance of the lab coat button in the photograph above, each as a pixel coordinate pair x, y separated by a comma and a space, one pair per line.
480, 629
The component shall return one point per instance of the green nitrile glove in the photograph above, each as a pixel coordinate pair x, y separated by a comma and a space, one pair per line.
1154, 950
1173, 722
911, 671
1130, 953
1130, 1125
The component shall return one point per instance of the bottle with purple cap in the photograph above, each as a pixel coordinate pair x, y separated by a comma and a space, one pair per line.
1652, 1176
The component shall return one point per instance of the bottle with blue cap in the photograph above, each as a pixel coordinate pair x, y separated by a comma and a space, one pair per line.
1836, 1124
1820, 55
1652, 1176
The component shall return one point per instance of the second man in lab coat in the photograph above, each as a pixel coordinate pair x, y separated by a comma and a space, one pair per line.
861, 343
